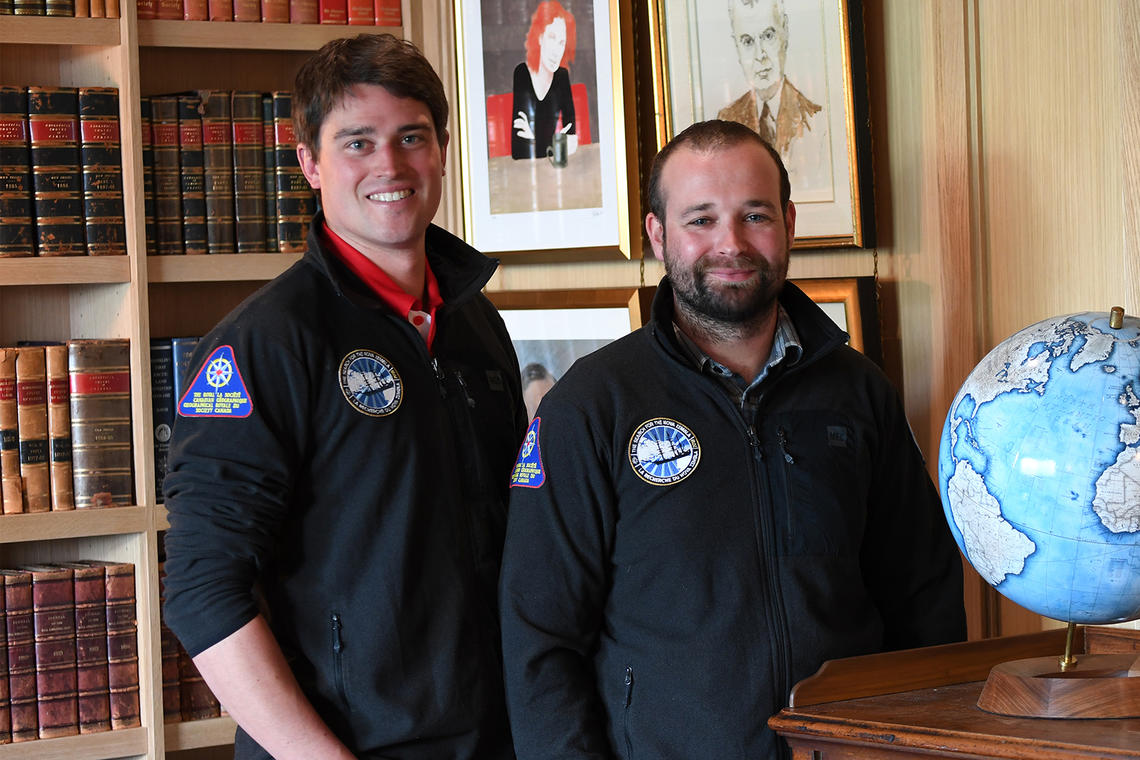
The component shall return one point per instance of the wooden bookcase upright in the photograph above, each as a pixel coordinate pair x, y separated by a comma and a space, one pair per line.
134, 297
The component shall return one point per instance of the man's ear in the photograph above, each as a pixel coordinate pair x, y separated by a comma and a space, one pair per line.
655, 228
444, 140
790, 223
308, 160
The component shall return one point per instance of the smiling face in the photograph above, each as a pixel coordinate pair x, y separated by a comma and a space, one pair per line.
552, 45
379, 169
725, 238
760, 32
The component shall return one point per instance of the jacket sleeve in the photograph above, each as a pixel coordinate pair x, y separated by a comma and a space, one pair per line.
911, 564
553, 588
227, 492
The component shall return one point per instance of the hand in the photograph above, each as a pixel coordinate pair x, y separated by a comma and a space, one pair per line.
522, 124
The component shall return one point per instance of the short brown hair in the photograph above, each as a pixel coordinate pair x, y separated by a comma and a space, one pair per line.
714, 134
381, 59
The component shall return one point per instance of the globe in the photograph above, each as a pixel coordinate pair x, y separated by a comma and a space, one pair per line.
1039, 468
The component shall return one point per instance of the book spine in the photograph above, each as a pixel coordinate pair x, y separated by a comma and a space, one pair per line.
218, 167
388, 13
162, 405
167, 175
100, 376
98, 8
5, 698
93, 691
16, 231
221, 10
82, 8
270, 178
147, 9
146, 138
295, 202
59, 428
183, 350
249, 172
53, 615
191, 162
113, 9
198, 702
304, 12
31, 411
59, 8
171, 683
7, 8
12, 491
195, 10
247, 10
101, 154
53, 123
334, 11
275, 11
28, 7
169, 9
21, 654
361, 13
122, 646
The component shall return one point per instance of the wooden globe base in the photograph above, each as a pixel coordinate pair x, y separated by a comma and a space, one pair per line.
1097, 686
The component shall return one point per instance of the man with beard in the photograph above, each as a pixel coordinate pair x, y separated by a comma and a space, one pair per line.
706, 510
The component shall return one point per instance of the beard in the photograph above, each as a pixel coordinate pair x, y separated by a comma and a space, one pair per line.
720, 304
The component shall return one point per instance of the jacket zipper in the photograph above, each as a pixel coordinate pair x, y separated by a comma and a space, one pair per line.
338, 664
625, 713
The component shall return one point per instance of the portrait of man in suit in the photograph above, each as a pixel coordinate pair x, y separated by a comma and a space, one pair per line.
788, 119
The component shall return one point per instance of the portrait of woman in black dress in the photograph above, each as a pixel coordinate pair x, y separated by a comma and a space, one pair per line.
542, 103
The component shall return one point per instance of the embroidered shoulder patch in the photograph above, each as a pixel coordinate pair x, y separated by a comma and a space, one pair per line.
528, 472
370, 383
218, 389
663, 451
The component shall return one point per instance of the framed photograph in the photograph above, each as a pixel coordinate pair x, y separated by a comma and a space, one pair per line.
547, 127
551, 329
852, 303
793, 70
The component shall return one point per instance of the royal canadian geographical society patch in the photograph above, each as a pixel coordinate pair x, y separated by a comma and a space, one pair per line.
528, 472
370, 383
218, 389
663, 451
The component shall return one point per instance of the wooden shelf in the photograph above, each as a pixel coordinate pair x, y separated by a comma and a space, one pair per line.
64, 270
212, 732
80, 523
247, 36
125, 742
226, 268
44, 30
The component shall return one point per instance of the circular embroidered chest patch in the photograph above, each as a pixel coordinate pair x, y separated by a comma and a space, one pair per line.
663, 451
370, 383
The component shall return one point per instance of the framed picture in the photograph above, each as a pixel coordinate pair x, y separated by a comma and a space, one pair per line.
551, 329
547, 126
793, 70
851, 302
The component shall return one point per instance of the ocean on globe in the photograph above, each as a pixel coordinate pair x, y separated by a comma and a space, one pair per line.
1039, 468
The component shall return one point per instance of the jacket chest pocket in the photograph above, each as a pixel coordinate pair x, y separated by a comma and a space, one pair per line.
819, 470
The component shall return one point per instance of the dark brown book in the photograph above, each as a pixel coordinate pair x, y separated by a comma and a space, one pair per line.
7, 7
191, 162
92, 690
31, 411
28, 7
270, 152
249, 172
304, 12
275, 11
147, 9
57, 183
195, 10
21, 654
167, 175
5, 700
53, 617
247, 10
146, 138
16, 230
198, 702
12, 484
221, 10
296, 203
59, 8
169, 9
100, 374
122, 644
171, 683
59, 427
102, 159
218, 166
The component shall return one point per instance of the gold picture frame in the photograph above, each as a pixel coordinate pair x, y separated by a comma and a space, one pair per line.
577, 202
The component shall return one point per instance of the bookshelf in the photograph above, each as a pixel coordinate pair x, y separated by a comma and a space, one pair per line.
136, 297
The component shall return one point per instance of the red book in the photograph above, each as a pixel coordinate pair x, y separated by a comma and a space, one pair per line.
59, 428
275, 11
221, 10
170, 648
247, 10
195, 10
5, 702
122, 643
198, 702
303, 12
334, 11
91, 647
147, 9
388, 13
53, 617
21, 653
169, 9
361, 13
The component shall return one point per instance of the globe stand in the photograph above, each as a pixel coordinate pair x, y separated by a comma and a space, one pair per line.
1076, 686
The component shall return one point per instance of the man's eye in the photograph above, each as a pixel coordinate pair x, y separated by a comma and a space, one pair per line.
412, 139
700, 221
355, 145
757, 218
746, 40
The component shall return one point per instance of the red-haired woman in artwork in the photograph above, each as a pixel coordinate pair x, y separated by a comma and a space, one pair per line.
542, 100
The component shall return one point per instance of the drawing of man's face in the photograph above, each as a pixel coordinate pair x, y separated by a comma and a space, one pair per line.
760, 32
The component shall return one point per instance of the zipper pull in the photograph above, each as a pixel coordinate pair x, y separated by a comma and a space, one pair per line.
754, 442
337, 645
440, 377
782, 439
463, 387
628, 685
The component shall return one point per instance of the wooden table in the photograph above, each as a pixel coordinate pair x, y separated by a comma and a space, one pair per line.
525, 184
861, 707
